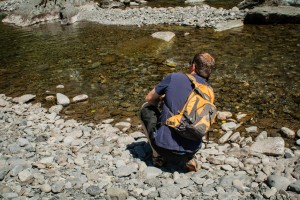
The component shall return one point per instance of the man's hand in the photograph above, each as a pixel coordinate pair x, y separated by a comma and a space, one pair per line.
153, 98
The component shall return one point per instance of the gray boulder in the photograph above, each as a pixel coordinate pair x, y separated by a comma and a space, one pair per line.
270, 146
279, 182
273, 15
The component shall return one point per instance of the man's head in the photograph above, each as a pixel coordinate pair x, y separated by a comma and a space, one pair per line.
203, 64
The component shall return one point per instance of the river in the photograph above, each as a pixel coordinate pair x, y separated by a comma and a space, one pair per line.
257, 67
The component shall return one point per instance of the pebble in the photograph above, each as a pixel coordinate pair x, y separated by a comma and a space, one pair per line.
229, 126
116, 165
62, 99
288, 132
79, 98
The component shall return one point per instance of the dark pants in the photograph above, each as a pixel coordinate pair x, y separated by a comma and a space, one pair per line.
150, 116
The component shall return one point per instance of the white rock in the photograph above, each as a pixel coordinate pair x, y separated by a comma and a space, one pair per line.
123, 126
225, 137
62, 99
166, 36
56, 109
81, 97
234, 162
60, 86
68, 140
23, 99
270, 146
251, 129
3, 103
50, 98
240, 116
263, 135
235, 137
229, 126
226, 167
45, 187
22, 142
25, 175
107, 121
288, 132
222, 115
298, 142
298, 133
47, 160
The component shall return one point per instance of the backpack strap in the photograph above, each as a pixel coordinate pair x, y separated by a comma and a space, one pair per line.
196, 88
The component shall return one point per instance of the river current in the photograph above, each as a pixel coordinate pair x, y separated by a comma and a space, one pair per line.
257, 67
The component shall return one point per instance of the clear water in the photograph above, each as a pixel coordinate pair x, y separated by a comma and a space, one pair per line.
258, 67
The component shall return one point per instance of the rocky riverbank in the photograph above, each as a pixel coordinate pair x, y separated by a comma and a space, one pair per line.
44, 156
68, 13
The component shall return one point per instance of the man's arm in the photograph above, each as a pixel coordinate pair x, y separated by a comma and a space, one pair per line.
153, 98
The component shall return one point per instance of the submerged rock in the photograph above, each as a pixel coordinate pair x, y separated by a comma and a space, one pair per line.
166, 36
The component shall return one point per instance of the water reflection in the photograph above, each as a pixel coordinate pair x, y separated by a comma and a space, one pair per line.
258, 67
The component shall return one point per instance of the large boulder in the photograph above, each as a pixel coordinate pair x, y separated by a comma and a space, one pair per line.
253, 3
273, 15
35, 11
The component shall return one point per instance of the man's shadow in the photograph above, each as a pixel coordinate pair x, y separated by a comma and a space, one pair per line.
141, 149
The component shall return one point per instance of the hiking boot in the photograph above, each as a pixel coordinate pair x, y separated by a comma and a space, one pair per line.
192, 165
158, 161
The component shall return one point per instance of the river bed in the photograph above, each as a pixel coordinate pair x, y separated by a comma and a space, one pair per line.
258, 67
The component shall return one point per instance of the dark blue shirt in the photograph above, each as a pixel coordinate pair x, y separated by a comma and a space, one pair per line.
176, 87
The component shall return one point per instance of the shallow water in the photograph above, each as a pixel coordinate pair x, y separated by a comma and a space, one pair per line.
258, 67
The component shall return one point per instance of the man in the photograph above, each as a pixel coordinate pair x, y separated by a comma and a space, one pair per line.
173, 91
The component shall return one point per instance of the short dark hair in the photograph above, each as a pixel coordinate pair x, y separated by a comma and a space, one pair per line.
204, 64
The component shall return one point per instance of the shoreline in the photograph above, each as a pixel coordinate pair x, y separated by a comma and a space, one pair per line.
45, 156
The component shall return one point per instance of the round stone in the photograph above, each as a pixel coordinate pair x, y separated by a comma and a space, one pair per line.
93, 190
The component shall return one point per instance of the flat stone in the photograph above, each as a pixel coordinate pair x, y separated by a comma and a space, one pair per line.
234, 162
227, 181
23, 99
271, 146
124, 171
226, 167
14, 148
222, 26
262, 136
22, 142
217, 160
166, 36
79, 98
56, 109
235, 137
229, 126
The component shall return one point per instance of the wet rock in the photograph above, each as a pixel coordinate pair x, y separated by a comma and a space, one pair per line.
62, 99
79, 98
223, 115
273, 15
251, 129
288, 132
166, 36
279, 182
229, 126
270, 146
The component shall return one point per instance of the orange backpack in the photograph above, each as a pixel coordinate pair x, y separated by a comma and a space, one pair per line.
198, 113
